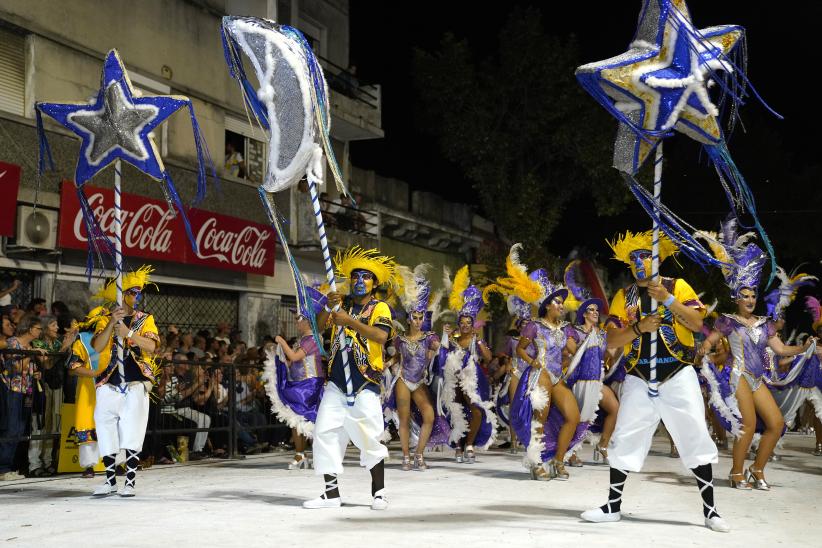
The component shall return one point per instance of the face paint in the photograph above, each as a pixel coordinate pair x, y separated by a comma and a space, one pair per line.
641, 262
362, 283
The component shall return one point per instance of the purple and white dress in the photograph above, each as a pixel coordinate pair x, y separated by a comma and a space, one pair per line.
296, 388
461, 371
529, 399
585, 373
799, 384
413, 372
749, 359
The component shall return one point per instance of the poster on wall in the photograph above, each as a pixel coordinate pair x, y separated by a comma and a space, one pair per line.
9, 188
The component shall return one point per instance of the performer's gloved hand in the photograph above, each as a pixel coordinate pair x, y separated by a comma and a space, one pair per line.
649, 324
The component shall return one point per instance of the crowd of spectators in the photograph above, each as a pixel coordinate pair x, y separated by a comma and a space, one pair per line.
194, 389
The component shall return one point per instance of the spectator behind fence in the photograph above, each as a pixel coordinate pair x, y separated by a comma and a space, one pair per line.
177, 401
246, 393
17, 391
6, 330
6, 292
41, 460
199, 347
37, 306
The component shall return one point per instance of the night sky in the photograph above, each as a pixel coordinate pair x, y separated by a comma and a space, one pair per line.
781, 52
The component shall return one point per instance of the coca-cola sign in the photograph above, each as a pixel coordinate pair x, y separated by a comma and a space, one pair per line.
9, 186
151, 231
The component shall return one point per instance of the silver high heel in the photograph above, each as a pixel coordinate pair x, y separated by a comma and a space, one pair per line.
818, 451
300, 461
741, 484
419, 463
759, 484
470, 457
557, 470
406, 463
539, 473
600, 454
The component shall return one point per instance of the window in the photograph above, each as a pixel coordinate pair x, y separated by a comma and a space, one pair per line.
12, 72
245, 151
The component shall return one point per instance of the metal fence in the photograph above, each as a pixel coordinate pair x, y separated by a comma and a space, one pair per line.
221, 409
192, 308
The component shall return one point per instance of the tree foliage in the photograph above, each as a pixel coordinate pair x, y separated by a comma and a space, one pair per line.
520, 128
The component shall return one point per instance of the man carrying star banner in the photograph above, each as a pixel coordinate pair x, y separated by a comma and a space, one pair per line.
351, 408
678, 401
121, 412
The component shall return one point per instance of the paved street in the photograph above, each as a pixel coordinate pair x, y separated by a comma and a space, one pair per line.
256, 502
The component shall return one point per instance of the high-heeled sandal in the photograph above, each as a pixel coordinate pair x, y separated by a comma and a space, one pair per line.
557, 470
300, 461
406, 463
741, 484
470, 457
759, 484
539, 473
818, 451
600, 454
419, 463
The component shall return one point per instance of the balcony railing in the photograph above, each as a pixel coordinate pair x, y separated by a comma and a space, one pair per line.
342, 81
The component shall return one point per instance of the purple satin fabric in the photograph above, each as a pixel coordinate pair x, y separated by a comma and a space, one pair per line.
302, 397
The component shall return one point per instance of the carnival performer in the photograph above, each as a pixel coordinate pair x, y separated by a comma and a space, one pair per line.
792, 380
544, 411
415, 351
83, 364
294, 380
466, 390
678, 401
587, 370
121, 407
749, 335
350, 408
520, 311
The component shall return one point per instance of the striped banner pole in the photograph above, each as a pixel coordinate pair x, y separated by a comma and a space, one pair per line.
653, 384
118, 265
329, 273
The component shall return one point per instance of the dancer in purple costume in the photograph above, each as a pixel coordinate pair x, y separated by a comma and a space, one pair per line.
465, 388
586, 379
749, 335
294, 380
415, 351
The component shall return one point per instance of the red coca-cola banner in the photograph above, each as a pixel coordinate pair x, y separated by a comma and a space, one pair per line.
150, 232
9, 186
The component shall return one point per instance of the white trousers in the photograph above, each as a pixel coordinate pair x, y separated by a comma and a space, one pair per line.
121, 418
89, 455
202, 420
679, 405
337, 423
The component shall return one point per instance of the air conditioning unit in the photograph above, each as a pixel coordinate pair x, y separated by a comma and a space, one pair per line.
36, 228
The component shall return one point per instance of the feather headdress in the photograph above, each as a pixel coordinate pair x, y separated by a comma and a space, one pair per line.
139, 278
780, 298
464, 298
742, 259
357, 258
625, 244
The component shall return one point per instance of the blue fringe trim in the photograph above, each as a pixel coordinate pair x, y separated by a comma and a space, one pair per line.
672, 226
234, 60
740, 196
304, 301
178, 204
98, 244
44, 148
204, 159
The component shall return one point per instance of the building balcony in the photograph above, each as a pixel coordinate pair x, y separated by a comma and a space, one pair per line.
356, 109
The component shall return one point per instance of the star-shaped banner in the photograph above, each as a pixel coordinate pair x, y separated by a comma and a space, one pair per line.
116, 124
661, 83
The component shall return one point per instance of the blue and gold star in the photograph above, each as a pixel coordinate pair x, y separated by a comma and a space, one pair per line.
661, 83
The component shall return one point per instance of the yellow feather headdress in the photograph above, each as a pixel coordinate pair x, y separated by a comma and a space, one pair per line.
623, 245
140, 278
357, 258
517, 282
461, 282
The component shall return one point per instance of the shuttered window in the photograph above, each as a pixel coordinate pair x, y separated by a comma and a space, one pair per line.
12, 72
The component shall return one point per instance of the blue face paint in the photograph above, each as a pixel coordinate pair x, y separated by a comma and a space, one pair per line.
362, 282
638, 258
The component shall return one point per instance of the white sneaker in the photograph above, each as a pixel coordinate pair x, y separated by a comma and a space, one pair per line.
11, 476
717, 524
322, 502
104, 490
127, 491
598, 516
379, 502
